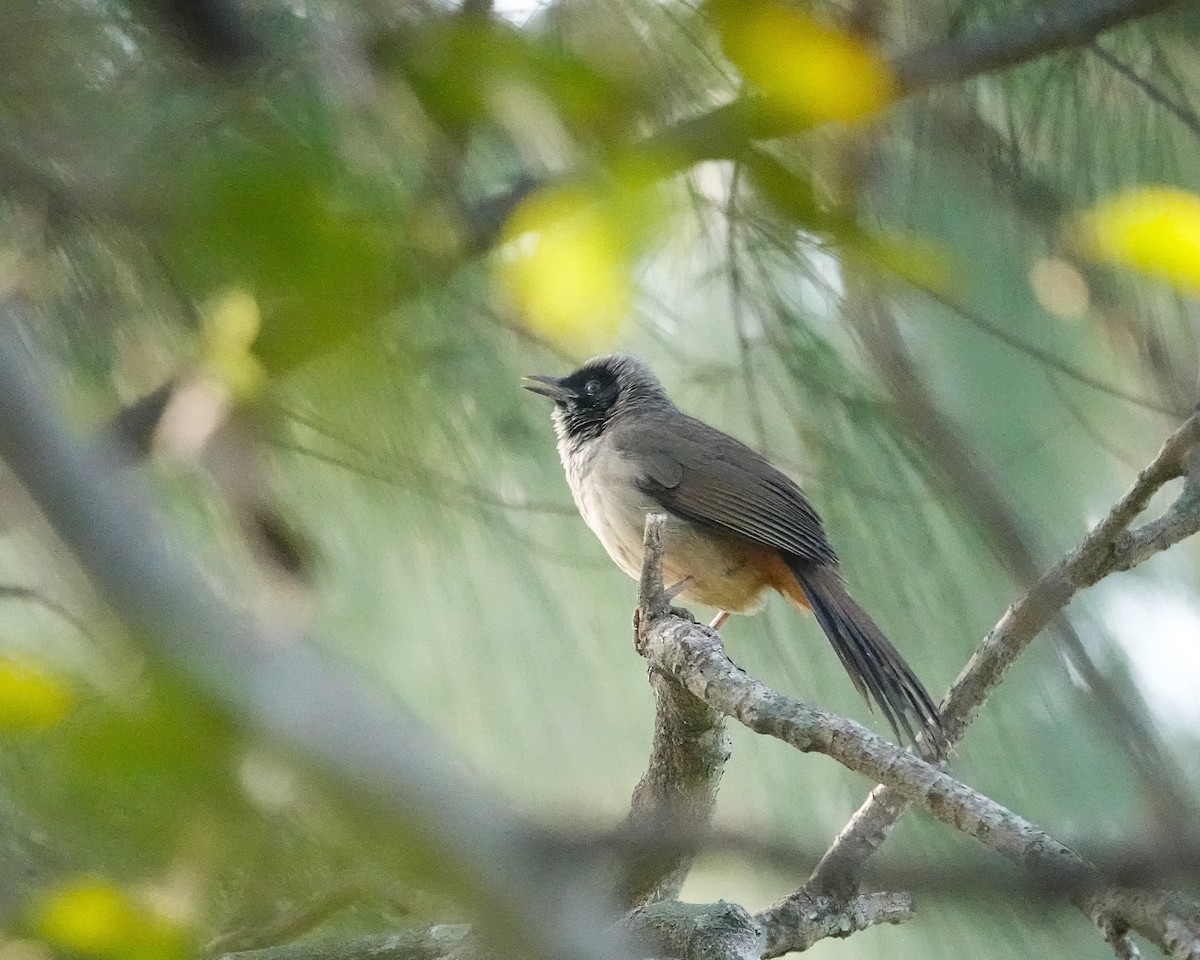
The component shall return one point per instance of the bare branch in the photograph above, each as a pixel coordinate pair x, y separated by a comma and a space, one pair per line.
695, 656
811, 917
679, 789
697, 931
1109, 547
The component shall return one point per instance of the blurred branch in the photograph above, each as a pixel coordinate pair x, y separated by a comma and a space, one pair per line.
695, 657
1044, 199
1108, 548
529, 900
289, 927
1033, 33
1180, 111
727, 132
215, 31
14, 592
991, 328
418, 943
1141, 861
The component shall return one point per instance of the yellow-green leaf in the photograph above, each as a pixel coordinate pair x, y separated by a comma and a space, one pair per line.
230, 327
563, 266
1153, 230
30, 697
96, 918
812, 70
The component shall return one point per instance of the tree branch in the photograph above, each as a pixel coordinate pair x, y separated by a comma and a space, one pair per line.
1108, 548
697, 931
418, 943
531, 898
806, 919
726, 132
694, 655
1030, 35
679, 789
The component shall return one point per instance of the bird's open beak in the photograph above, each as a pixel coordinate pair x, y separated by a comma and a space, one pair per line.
547, 386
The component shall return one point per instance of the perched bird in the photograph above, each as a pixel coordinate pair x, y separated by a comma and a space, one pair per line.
736, 527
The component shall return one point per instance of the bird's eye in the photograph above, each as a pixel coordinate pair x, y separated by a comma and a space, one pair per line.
591, 388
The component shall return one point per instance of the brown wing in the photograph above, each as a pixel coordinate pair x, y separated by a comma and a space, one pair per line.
698, 472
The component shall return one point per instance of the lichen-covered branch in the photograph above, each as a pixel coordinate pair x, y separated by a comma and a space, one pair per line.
695, 656
1109, 547
679, 789
696, 931
808, 918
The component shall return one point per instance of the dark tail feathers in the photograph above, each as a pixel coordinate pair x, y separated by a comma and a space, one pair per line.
875, 666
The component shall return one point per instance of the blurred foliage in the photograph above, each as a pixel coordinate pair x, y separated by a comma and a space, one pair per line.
343, 242
1154, 230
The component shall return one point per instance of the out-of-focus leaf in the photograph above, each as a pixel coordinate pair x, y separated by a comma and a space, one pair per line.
812, 70
789, 193
267, 219
94, 917
922, 261
459, 68
1153, 230
564, 266
31, 698
230, 327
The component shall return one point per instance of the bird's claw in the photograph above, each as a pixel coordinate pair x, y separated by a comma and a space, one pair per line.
671, 592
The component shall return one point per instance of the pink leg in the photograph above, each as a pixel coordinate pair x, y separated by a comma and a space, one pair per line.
719, 620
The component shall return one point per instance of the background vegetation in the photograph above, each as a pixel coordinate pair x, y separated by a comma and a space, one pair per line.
336, 234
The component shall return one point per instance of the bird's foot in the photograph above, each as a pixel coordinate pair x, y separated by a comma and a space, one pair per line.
671, 592
668, 594
719, 620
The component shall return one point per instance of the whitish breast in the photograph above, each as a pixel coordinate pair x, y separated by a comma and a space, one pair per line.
611, 504
718, 570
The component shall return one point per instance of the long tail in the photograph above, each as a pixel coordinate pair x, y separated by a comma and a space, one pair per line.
876, 667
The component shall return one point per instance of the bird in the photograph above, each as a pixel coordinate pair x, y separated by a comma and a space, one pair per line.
737, 527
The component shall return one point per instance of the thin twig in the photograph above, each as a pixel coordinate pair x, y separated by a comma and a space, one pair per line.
1181, 112
15, 592
289, 927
